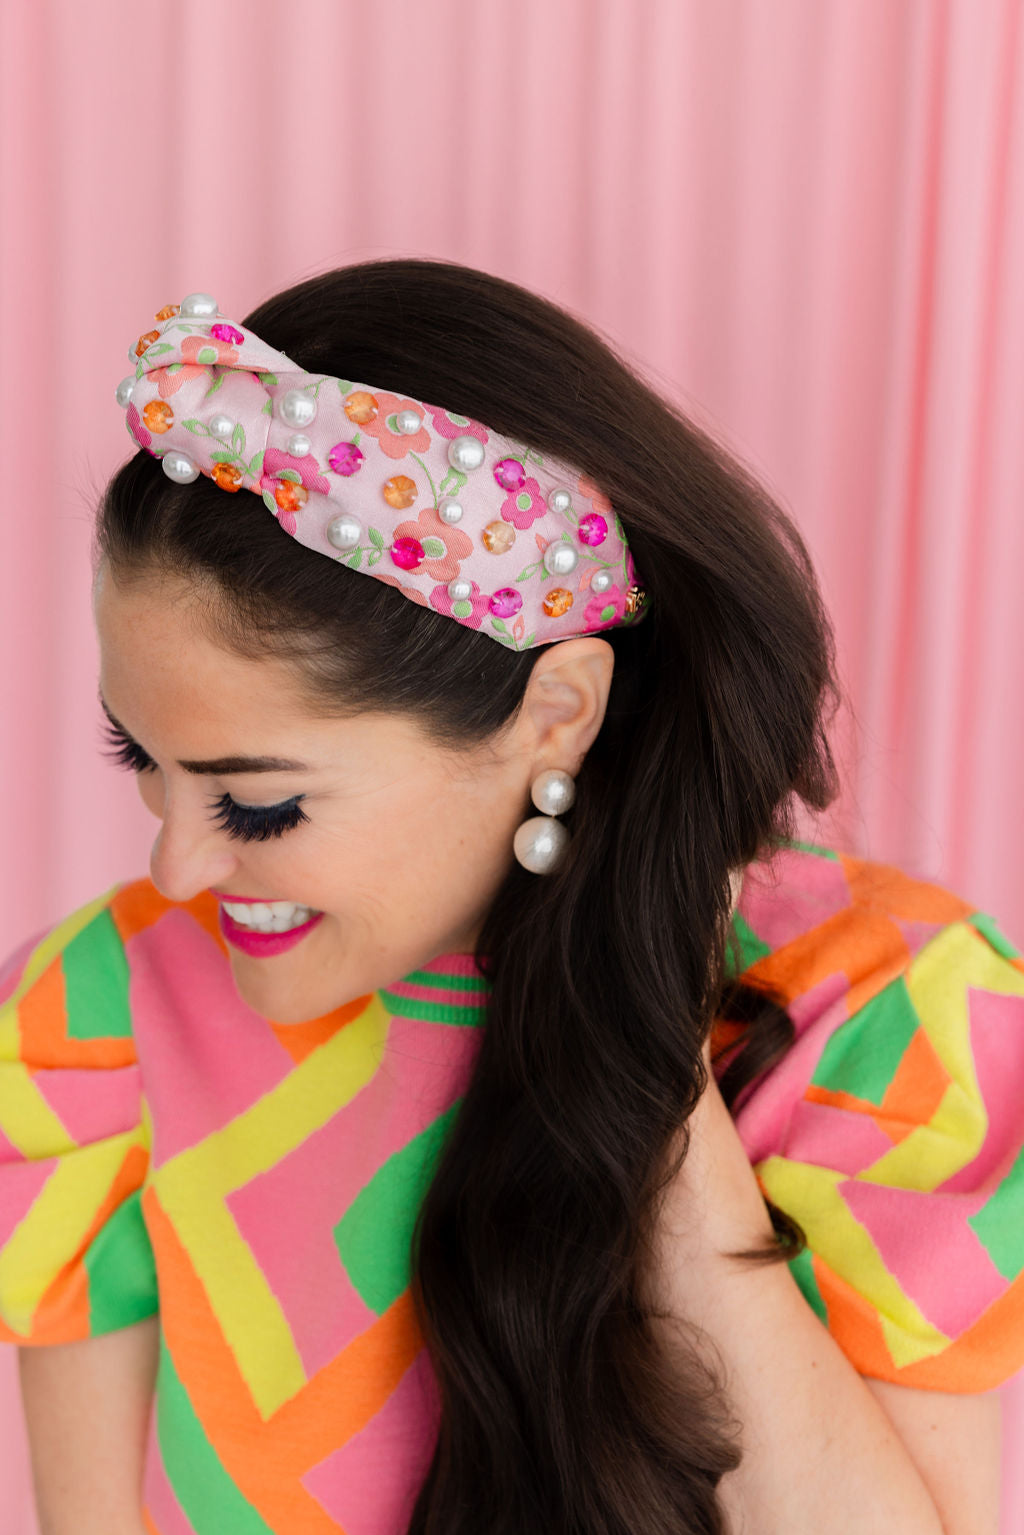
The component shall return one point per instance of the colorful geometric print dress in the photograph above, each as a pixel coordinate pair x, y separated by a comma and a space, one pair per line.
166, 1150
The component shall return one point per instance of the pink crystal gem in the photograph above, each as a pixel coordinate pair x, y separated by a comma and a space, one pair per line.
509, 473
592, 529
227, 333
407, 552
345, 457
506, 602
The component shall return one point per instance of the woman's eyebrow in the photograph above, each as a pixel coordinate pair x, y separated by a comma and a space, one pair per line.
221, 767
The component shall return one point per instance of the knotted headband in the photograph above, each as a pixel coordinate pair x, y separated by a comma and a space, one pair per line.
480, 528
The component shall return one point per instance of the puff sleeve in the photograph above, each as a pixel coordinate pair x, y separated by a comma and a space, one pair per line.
903, 1160
75, 1256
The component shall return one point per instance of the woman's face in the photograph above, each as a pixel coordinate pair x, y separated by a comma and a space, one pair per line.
404, 845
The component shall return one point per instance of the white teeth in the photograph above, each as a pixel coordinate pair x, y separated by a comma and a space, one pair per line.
269, 916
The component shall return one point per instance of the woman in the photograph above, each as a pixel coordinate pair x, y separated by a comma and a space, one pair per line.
432, 1189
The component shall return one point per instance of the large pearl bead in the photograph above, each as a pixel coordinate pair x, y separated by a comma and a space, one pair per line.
344, 531
221, 425
553, 791
560, 500
539, 843
198, 306
459, 589
450, 512
408, 422
179, 467
299, 445
124, 391
296, 407
601, 580
465, 453
560, 558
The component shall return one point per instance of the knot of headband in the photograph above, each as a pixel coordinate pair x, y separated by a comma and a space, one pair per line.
480, 528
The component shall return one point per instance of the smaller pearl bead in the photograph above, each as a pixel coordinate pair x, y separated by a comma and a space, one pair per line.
459, 589
299, 445
296, 407
198, 306
221, 425
450, 512
179, 467
553, 791
465, 453
560, 500
539, 842
560, 558
601, 581
344, 531
124, 391
408, 422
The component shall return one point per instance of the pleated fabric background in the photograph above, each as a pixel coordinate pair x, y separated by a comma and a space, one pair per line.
801, 219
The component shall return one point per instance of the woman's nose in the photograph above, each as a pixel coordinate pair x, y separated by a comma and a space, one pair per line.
189, 854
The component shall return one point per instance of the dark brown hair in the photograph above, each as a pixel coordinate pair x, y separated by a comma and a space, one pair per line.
560, 1412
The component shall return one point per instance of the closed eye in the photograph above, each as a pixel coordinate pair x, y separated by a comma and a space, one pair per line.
248, 823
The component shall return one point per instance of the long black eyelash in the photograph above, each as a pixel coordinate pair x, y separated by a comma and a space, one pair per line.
249, 824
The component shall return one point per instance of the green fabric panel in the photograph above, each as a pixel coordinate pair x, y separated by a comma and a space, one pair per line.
209, 1496
751, 949
122, 1273
369, 1234
999, 1224
862, 1055
811, 847
802, 1270
96, 982
432, 1012
990, 929
445, 982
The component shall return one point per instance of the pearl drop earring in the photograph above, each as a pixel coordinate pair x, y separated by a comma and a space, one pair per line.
539, 843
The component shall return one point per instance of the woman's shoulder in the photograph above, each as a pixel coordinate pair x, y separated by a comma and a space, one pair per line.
814, 918
69, 989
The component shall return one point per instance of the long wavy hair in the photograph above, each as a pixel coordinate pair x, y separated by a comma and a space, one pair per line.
560, 1411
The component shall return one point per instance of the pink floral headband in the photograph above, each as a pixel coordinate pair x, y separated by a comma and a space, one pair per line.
471, 524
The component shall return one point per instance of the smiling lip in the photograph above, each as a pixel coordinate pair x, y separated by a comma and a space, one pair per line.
264, 945
247, 900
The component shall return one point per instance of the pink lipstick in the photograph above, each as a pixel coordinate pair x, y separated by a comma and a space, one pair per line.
263, 945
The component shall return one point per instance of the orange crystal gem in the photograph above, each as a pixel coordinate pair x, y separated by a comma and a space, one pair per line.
167, 312
227, 476
498, 536
399, 491
146, 340
361, 406
158, 415
290, 496
557, 601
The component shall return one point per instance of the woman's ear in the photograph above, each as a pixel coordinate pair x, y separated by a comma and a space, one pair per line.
566, 698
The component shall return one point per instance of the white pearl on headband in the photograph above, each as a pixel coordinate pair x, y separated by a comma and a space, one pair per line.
601, 581
465, 453
450, 512
539, 842
299, 445
408, 422
179, 467
296, 407
344, 531
459, 589
560, 500
553, 791
221, 425
198, 306
124, 391
560, 558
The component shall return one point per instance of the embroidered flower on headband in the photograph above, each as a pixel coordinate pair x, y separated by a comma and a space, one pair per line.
480, 528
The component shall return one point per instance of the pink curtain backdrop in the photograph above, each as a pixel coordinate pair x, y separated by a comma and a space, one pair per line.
803, 219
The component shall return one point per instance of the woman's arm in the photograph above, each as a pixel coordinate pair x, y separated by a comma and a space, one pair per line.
819, 1450
87, 1409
